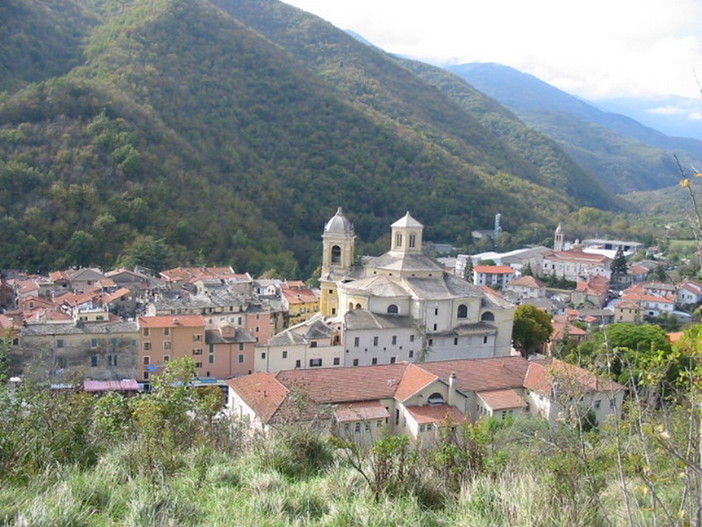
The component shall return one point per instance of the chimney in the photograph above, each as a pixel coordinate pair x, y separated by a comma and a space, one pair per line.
452, 389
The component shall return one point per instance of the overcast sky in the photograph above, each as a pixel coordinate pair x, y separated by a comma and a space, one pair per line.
595, 49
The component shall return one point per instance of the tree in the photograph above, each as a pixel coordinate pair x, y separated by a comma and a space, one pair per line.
532, 329
468, 271
619, 266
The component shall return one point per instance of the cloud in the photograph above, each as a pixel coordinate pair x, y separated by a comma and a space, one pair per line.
595, 49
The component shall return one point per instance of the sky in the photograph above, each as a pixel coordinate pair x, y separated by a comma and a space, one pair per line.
595, 49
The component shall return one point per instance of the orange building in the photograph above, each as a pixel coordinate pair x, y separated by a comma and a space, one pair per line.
163, 338
219, 353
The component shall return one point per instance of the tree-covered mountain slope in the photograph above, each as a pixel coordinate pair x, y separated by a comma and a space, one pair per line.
623, 154
228, 132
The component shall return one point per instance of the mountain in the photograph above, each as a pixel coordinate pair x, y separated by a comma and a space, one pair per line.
222, 131
623, 154
674, 116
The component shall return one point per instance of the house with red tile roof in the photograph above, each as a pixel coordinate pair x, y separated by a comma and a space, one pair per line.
628, 311
575, 265
689, 293
493, 275
419, 399
564, 331
593, 290
527, 287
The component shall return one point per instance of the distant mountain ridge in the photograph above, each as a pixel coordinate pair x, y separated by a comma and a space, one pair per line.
625, 155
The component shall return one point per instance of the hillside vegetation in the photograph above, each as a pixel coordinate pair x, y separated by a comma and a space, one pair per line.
168, 458
195, 131
624, 155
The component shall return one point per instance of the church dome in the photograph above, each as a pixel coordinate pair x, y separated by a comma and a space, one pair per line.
339, 224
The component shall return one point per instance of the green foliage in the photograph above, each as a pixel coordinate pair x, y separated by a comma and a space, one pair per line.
532, 328
159, 149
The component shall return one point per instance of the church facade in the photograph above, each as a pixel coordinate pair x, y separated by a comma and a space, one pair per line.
400, 306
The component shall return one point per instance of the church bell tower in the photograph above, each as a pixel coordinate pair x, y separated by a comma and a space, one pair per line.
338, 243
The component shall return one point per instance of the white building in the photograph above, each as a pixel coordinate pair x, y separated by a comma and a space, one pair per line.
400, 306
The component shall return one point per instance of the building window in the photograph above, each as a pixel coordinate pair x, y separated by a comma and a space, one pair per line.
315, 363
374, 360
412, 240
93, 343
411, 353
435, 326
241, 346
485, 339
197, 351
393, 309
598, 403
112, 360
436, 311
146, 375
198, 364
166, 331
411, 338
392, 360
355, 362
147, 361
455, 341
258, 329
313, 344
197, 337
298, 364
462, 311
166, 358
336, 254
357, 428
94, 361
398, 240
167, 345
59, 343
263, 355
241, 359
210, 359
147, 346
394, 340
431, 342
285, 354
337, 361
356, 341
375, 341
488, 317
146, 332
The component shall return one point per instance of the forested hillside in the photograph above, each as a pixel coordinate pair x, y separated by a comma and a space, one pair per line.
195, 131
622, 153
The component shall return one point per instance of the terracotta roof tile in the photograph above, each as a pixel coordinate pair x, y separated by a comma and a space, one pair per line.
438, 414
337, 385
414, 379
262, 392
503, 399
493, 269
361, 411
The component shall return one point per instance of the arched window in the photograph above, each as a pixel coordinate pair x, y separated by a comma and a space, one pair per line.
336, 254
358, 306
488, 317
393, 309
435, 399
350, 306
462, 311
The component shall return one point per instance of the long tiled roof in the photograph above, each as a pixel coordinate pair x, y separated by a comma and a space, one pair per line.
324, 388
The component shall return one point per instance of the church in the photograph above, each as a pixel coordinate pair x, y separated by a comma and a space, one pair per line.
398, 307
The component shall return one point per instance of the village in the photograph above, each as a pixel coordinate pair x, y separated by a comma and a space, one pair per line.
402, 342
